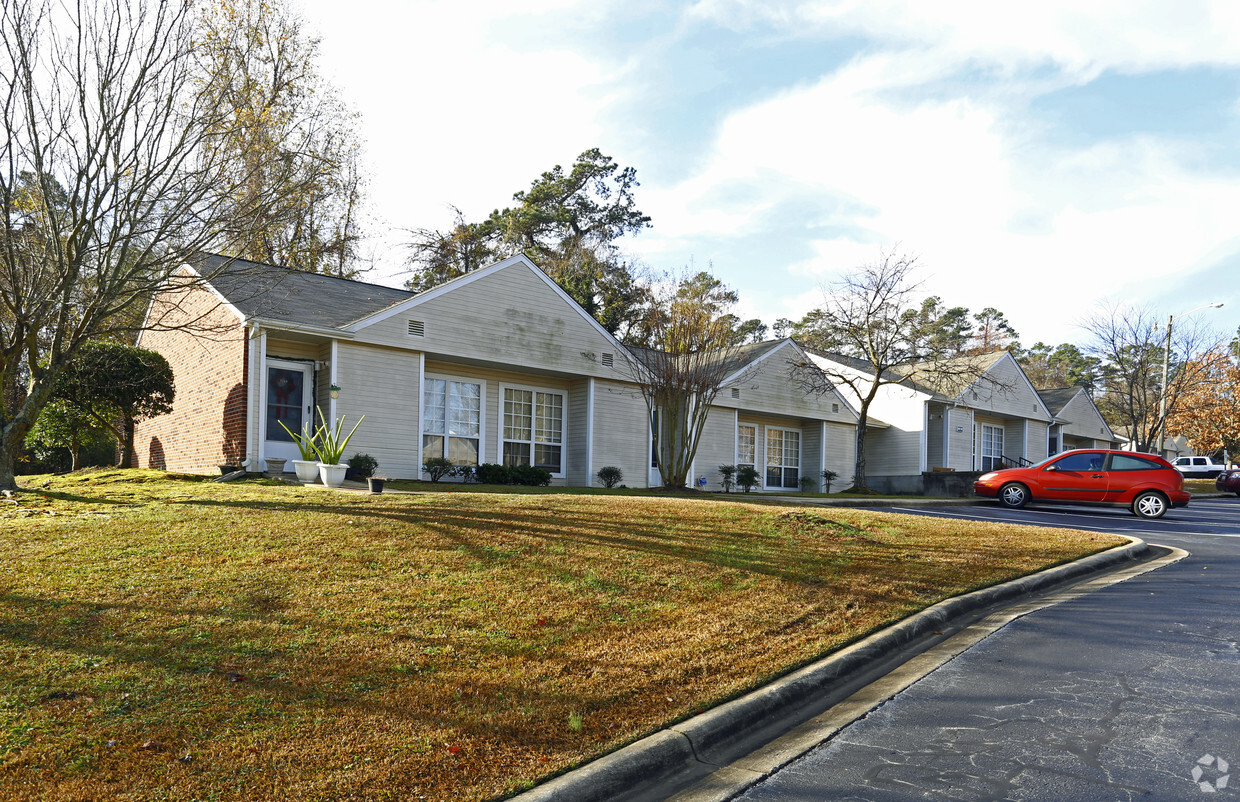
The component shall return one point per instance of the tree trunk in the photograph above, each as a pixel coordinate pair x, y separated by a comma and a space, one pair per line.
859, 467
126, 442
75, 451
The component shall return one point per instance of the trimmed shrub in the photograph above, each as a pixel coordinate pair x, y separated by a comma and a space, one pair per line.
489, 473
363, 465
728, 472
529, 475
610, 476
747, 478
438, 468
808, 485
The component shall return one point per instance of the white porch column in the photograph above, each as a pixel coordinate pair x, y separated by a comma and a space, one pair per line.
334, 382
262, 401
590, 432
417, 434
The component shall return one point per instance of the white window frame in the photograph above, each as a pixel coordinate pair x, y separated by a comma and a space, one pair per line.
754, 427
499, 429
783, 466
482, 415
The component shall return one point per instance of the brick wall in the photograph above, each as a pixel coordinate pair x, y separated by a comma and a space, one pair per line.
206, 346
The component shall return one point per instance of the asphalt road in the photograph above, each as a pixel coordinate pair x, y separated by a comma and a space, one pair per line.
1130, 692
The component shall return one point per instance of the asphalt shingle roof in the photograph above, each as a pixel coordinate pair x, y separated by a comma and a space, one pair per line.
1058, 397
292, 296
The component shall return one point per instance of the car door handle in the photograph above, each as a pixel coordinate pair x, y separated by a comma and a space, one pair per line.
1096, 476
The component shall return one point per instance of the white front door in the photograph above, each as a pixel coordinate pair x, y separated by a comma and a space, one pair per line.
289, 399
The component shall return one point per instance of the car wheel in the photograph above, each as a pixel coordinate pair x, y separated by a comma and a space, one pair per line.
1014, 495
1149, 505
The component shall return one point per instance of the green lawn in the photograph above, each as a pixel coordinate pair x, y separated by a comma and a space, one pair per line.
169, 638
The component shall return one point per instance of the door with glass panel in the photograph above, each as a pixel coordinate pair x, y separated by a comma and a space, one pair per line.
783, 459
290, 391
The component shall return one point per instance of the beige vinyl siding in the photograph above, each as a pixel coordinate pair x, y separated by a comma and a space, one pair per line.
510, 317
621, 431
1007, 393
576, 403
960, 443
382, 384
290, 349
894, 450
1014, 441
1085, 422
1035, 449
811, 453
841, 455
769, 386
717, 446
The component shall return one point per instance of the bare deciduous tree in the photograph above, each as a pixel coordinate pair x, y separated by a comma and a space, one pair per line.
871, 328
1130, 343
110, 181
685, 348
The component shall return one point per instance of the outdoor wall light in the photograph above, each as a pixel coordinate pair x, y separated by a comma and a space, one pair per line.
960, 428
335, 391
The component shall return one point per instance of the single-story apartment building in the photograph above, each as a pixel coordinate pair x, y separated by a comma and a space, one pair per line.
497, 366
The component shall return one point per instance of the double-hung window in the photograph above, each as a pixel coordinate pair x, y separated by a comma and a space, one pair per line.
451, 420
746, 446
783, 457
534, 428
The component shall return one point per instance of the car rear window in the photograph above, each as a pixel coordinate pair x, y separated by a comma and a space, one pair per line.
1127, 462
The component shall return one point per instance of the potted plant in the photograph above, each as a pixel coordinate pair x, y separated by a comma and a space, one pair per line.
307, 467
329, 446
375, 483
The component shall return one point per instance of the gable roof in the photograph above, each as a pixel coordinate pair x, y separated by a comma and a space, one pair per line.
1057, 398
279, 294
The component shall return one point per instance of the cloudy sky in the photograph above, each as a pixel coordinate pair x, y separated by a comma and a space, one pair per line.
1039, 158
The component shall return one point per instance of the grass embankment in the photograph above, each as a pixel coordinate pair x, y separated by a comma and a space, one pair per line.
177, 639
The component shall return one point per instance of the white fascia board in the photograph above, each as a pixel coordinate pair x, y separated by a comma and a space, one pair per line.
326, 331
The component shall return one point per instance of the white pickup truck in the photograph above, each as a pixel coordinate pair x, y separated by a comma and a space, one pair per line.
1198, 467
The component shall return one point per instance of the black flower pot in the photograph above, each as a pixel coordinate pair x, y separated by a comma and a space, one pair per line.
376, 485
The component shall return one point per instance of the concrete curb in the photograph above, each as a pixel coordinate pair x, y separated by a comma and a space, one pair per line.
699, 745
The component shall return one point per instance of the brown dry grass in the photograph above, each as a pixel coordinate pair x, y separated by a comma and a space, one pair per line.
299, 643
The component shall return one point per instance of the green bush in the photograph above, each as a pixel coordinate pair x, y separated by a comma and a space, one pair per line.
610, 476
363, 465
808, 484
489, 473
728, 472
438, 468
529, 475
748, 478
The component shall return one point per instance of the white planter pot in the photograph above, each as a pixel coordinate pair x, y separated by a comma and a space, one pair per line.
307, 471
332, 475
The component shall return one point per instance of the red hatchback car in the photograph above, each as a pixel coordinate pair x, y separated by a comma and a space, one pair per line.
1145, 483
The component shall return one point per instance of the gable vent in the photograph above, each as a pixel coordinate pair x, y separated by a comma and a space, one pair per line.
417, 328
835, 407
736, 392
608, 360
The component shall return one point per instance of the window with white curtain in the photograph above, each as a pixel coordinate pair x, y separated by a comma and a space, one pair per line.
451, 420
